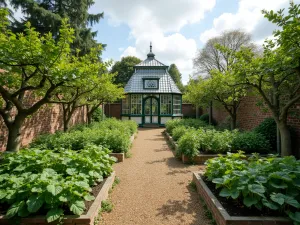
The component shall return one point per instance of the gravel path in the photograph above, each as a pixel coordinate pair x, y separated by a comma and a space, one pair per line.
154, 187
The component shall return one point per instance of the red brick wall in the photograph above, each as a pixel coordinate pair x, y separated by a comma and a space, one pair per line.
47, 120
250, 115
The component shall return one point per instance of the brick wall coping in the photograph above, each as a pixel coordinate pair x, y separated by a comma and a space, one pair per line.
223, 218
87, 219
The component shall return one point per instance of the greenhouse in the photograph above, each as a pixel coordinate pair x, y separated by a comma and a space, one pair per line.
152, 97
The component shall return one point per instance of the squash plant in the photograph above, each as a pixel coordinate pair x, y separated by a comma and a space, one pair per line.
265, 183
34, 181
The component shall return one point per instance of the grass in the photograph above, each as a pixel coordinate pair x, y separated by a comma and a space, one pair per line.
106, 206
207, 212
193, 186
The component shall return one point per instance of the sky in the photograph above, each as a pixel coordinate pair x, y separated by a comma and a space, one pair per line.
177, 28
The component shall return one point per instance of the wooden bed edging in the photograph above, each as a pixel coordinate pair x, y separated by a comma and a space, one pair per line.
87, 219
223, 218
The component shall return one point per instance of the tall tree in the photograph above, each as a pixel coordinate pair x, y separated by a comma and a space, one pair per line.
216, 62
35, 67
276, 75
47, 15
106, 91
176, 75
124, 69
211, 58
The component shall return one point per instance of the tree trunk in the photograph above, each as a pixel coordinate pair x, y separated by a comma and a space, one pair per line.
89, 117
210, 113
14, 134
285, 139
66, 124
233, 121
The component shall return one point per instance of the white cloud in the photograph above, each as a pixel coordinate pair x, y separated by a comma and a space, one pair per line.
121, 49
248, 18
160, 22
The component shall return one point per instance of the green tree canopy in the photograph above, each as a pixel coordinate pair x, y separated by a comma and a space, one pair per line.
35, 69
47, 15
176, 75
276, 74
124, 69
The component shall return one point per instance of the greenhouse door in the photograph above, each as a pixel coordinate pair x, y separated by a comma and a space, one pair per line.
151, 110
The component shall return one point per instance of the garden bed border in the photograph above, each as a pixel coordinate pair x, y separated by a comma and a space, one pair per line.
121, 156
87, 219
222, 217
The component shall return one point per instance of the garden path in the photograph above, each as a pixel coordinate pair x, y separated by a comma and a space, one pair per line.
154, 187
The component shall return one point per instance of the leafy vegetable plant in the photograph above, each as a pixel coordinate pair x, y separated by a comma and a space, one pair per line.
264, 183
34, 180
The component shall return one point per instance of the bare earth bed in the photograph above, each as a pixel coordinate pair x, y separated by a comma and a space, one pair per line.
154, 187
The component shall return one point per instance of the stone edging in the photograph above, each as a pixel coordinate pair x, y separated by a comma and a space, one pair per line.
87, 219
223, 218
121, 156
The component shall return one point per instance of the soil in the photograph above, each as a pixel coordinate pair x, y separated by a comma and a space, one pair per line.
236, 208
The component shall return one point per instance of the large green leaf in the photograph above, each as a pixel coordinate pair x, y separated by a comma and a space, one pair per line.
3, 193
54, 190
293, 202
269, 204
34, 203
14, 208
278, 198
250, 200
256, 188
89, 197
77, 207
295, 216
218, 180
54, 214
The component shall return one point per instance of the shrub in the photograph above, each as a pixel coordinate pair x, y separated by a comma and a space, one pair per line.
110, 133
205, 118
251, 142
98, 115
178, 132
213, 141
192, 123
265, 183
189, 144
37, 181
268, 129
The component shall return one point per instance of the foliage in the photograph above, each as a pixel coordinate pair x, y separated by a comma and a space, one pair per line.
195, 123
191, 141
179, 131
124, 69
268, 129
176, 75
38, 68
275, 76
109, 133
265, 183
98, 115
189, 144
251, 142
205, 118
35, 180
46, 16
106, 206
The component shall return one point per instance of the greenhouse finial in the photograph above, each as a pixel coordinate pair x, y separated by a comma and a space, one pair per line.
150, 46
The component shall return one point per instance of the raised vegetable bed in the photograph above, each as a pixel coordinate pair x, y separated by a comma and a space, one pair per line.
222, 217
121, 156
86, 219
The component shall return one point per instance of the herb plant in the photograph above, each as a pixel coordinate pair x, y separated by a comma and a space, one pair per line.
264, 183
34, 180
